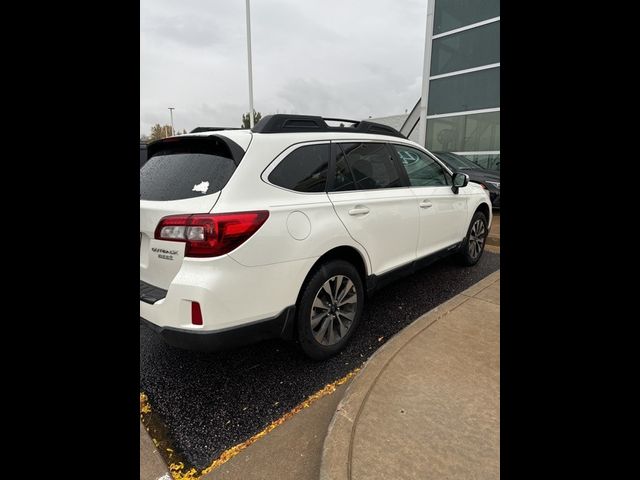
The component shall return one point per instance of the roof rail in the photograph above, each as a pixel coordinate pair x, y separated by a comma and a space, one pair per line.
282, 123
213, 129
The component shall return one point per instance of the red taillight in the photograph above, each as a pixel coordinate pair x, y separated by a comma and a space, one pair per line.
210, 235
196, 313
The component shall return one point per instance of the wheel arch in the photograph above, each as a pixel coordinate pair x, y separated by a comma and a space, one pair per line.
343, 252
485, 209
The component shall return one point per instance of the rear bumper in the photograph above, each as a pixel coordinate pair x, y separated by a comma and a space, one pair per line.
151, 294
230, 294
280, 326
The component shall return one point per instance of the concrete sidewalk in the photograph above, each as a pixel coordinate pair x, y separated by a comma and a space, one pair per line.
290, 452
426, 405
152, 467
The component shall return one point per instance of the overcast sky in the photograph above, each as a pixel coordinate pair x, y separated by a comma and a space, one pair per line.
341, 58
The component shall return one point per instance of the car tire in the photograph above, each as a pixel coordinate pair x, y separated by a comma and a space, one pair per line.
329, 309
475, 241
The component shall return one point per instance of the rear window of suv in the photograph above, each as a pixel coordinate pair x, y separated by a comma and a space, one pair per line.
186, 168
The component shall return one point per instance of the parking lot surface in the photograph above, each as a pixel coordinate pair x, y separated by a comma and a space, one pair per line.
211, 402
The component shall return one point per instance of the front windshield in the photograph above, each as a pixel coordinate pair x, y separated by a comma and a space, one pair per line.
458, 162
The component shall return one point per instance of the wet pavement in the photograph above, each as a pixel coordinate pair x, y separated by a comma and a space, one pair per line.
211, 402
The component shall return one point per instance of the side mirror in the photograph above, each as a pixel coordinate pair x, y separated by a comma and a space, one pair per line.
459, 180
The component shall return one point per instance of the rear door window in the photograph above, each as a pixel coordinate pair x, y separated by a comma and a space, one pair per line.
370, 164
186, 169
343, 180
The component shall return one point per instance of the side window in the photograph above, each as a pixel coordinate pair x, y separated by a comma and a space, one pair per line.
303, 170
344, 178
422, 170
371, 166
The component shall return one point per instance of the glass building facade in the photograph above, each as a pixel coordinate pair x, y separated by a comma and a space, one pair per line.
463, 100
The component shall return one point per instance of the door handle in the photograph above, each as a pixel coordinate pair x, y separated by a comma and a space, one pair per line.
359, 210
426, 204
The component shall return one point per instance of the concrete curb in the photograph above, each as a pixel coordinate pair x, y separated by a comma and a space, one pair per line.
152, 467
335, 462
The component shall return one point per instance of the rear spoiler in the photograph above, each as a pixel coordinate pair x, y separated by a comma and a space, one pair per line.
214, 144
213, 129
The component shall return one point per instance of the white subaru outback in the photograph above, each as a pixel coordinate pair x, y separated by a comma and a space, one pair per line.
283, 230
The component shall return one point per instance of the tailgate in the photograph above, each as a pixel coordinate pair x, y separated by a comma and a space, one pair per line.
160, 260
183, 175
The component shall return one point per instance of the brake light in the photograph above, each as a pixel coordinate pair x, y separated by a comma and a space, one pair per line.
210, 235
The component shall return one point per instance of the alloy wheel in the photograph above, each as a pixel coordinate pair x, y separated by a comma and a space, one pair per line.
333, 310
476, 238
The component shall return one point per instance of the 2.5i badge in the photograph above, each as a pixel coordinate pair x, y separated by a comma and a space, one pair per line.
164, 254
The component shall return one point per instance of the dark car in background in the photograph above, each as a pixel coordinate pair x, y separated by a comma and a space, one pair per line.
143, 154
489, 179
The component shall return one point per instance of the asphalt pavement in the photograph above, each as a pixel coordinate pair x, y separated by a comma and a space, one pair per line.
211, 402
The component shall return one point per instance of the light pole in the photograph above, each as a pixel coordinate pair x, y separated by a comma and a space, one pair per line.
249, 61
171, 109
